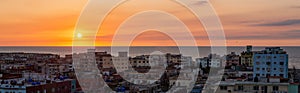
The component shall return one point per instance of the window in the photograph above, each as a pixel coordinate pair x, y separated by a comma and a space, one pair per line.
263, 68
255, 87
275, 69
257, 63
240, 87
281, 63
281, 69
275, 62
275, 88
257, 69
264, 87
257, 75
223, 87
268, 69
281, 75
268, 63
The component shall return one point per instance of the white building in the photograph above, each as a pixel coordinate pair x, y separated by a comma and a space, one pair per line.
212, 60
186, 61
121, 62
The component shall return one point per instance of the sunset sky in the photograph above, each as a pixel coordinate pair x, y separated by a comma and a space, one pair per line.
245, 22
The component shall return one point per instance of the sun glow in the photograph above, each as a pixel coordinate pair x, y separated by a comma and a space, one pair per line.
79, 35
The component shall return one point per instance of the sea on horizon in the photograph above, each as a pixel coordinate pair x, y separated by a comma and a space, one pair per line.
293, 51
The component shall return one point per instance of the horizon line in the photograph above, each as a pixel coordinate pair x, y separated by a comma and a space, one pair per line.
161, 46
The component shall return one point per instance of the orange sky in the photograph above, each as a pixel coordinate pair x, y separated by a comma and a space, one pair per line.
51, 23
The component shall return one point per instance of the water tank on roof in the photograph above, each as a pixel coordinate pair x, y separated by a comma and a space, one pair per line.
61, 78
30, 80
38, 83
33, 83
66, 77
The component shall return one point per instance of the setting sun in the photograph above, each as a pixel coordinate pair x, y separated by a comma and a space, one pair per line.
79, 35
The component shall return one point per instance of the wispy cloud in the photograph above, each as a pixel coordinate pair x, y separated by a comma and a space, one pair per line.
281, 23
295, 7
290, 34
200, 3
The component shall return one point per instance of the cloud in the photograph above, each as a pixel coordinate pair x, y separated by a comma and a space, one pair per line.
295, 7
290, 34
281, 23
281, 35
200, 3
249, 22
294, 31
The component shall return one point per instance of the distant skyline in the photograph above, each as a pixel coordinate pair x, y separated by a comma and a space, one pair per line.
245, 22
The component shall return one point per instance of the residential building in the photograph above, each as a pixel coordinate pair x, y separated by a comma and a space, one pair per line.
213, 60
256, 87
273, 61
104, 60
186, 61
139, 62
246, 56
107, 62
202, 62
173, 58
13, 83
232, 59
121, 62
39, 87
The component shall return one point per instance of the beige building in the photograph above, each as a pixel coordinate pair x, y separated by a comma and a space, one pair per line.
107, 62
139, 62
252, 87
143, 60
173, 58
246, 58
